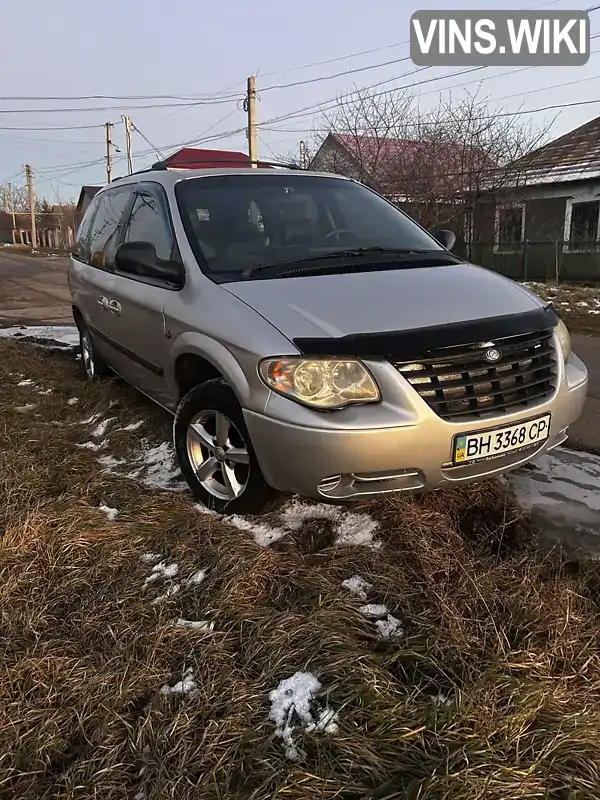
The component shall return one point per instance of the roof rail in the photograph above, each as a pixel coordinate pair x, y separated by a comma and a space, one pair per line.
228, 162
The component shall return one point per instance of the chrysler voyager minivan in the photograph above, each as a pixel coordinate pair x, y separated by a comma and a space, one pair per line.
309, 337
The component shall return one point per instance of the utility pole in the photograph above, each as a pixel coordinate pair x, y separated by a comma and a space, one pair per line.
11, 205
128, 132
108, 126
252, 132
31, 194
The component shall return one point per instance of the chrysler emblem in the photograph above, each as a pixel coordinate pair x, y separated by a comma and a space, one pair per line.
492, 354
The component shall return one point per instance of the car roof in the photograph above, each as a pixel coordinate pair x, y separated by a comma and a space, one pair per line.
169, 177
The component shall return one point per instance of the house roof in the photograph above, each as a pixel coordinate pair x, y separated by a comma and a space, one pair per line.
400, 165
575, 156
86, 192
195, 158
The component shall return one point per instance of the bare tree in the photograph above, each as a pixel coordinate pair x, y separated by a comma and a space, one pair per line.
437, 163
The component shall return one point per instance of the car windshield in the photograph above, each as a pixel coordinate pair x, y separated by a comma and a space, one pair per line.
238, 222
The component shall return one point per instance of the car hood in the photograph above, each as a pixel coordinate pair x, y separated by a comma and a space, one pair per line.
376, 302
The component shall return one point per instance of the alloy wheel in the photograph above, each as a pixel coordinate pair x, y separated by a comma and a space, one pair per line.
218, 454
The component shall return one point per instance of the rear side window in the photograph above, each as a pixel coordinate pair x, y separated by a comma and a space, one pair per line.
148, 223
81, 249
107, 226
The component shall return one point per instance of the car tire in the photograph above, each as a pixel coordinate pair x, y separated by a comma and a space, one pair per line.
209, 426
93, 366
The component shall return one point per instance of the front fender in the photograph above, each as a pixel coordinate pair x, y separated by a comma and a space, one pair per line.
250, 395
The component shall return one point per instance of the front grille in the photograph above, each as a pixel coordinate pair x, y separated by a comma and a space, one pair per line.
461, 383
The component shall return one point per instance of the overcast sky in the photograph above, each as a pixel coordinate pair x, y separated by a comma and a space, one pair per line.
191, 49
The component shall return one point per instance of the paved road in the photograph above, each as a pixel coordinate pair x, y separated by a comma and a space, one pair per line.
33, 290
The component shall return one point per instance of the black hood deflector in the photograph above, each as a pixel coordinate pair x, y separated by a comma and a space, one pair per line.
409, 344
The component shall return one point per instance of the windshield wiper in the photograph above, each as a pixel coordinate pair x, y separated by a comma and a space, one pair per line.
348, 253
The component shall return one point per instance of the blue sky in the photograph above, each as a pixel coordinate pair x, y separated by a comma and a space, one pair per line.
195, 49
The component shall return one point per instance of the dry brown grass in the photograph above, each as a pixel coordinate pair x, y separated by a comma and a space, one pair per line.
577, 303
510, 635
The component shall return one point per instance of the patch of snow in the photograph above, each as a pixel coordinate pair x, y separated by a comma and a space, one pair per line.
90, 420
327, 722
134, 426
150, 558
292, 707
185, 687
563, 475
157, 468
583, 304
92, 445
389, 628
296, 514
197, 625
197, 578
356, 529
204, 510
24, 409
154, 467
357, 586
171, 591
111, 513
264, 535
110, 462
374, 610
593, 311
73, 401
162, 571
141, 795
441, 699
26, 382
45, 391
65, 335
100, 429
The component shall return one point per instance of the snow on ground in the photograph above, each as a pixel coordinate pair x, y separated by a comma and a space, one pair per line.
100, 429
349, 527
197, 578
150, 558
570, 297
293, 706
561, 490
133, 427
357, 586
186, 687
162, 571
111, 513
153, 466
57, 335
197, 625
73, 401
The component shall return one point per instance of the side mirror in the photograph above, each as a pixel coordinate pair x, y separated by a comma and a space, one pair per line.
446, 238
140, 258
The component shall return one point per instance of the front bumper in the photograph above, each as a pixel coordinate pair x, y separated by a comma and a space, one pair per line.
334, 462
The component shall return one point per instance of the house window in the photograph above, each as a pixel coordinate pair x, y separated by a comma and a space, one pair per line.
510, 228
584, 224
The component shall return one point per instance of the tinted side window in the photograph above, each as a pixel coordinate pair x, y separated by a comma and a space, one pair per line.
81, 249
107, 226
148, 223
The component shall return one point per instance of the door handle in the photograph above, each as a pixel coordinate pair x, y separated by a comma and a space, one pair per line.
103, 301
114, 307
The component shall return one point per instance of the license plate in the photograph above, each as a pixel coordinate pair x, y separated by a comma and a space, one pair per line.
470, 447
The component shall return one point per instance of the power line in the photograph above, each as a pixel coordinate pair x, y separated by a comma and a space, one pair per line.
368, 52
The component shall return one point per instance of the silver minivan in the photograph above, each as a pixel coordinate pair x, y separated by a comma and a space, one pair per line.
310, 338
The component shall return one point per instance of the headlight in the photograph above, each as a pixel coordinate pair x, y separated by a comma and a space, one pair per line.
320, 383
564, 337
